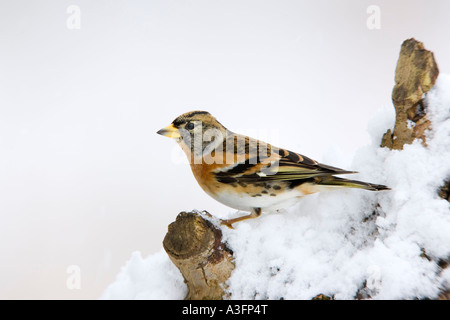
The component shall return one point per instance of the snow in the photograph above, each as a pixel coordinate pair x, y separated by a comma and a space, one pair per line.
344, 243
152, 278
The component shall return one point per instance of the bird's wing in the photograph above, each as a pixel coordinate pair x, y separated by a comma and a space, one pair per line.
296, 166
275, 165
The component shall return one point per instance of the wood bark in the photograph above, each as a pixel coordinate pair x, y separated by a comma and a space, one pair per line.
194, 244
415, 75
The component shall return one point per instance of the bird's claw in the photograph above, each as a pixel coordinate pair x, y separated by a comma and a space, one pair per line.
226, 223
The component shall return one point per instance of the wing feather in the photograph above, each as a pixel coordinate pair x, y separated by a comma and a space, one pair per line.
278, 165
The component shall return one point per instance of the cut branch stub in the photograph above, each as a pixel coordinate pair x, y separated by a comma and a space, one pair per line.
415, 75
195, 246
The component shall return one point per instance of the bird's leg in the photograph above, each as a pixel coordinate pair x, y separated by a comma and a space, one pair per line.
256, 212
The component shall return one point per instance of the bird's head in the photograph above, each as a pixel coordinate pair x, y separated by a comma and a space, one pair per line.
196, 132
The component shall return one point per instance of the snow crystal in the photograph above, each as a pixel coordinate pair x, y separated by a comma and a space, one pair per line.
344, 243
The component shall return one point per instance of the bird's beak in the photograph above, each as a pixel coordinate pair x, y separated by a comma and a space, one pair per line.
170, 132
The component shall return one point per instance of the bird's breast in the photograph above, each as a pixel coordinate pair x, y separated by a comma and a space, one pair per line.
245, 196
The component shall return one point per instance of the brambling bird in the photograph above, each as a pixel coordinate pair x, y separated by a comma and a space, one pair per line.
248, 174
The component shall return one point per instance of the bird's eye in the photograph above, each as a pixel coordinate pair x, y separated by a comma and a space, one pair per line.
190, 125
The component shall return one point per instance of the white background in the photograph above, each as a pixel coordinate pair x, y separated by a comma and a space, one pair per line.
84, 178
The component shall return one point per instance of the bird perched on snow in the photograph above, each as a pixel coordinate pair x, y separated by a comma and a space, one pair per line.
248, 174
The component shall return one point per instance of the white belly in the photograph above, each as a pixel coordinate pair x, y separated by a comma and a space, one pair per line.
245, 202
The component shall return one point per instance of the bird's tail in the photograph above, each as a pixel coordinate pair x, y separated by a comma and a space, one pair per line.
346, 183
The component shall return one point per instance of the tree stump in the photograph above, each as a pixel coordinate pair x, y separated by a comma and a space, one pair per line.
194, 244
